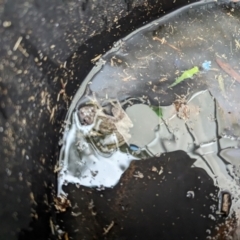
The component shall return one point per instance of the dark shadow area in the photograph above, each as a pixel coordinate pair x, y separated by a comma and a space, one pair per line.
171, 205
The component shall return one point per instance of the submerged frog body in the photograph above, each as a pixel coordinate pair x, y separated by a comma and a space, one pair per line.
108, 132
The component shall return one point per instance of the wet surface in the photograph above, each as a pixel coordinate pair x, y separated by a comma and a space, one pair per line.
177, 68
31, 117
30, 83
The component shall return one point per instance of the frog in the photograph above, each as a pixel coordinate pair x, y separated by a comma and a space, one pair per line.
108, 132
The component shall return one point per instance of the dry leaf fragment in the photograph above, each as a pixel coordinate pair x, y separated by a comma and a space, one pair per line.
228, 69
96, 58
221, 84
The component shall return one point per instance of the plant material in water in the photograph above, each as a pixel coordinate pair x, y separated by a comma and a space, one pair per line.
228, 69
186, 74
157, 110
221, 84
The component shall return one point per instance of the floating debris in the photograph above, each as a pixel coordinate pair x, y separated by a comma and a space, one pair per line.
221, 84
17, 44
228, 69
186, 75
226, 203
96, 58
163, 41
206, 65
191, 72
183, 111
157, 110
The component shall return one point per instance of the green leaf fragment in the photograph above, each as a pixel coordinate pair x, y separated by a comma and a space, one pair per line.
221, 84
186, 75
157, 110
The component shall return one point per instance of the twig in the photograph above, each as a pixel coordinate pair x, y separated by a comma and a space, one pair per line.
17, 43
163, 41
66, 236
96, 58
51, 226
23, 51
62, 91
106, 230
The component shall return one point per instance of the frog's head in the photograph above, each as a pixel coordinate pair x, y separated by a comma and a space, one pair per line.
87, 114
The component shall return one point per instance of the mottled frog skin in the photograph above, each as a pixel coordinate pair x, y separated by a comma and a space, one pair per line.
87, 114
108, 132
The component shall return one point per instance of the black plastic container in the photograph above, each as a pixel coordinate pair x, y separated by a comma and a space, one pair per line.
46, 51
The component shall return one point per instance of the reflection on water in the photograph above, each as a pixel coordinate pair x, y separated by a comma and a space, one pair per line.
172, 85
